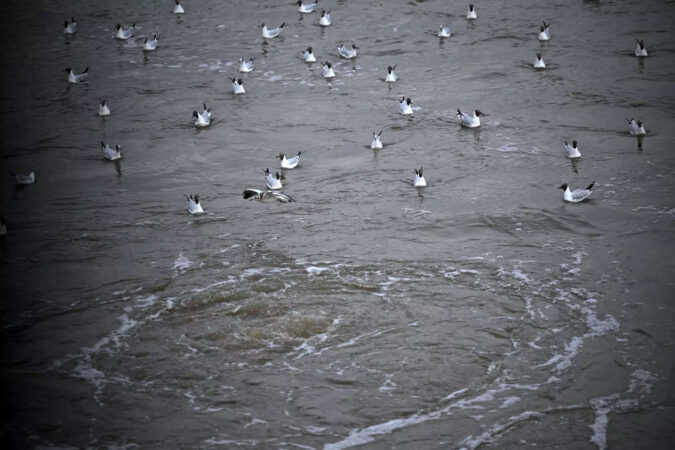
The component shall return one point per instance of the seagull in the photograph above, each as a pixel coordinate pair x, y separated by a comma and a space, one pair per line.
193, 205
405, 106
109, 153
471, 13
150, 45
345, 52
419, 178
577, 195
70, 28
76, 78
444, 31
103, 109
377, 143
640, 50
23, 178
544, 32
308, 55
266, 196
274, 181
124, 33
470, 121
305, 9
572, 151
325, 19
245, 66
328, 70
539, 62
177, 9
636, 128
391, 75
289, 163
202, 119
3, 226
272, 33
238, 86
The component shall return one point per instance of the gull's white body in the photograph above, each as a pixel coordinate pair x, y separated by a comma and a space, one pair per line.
539, 63
109, 153
469, 121
70, 28
245, 66
572, 151
291, 163
471, 13
24, 178
328, 71
273, 181
124, 33
325, 19
77, 78
150, 45
266, 196
203, 119
194, 206
266, 33
103, 109
640, 49
178, 9
238, 87
636, 128
545, 34
376, 144
419, 179
308, 55
391, 76
405, 106
306, 9
345, 52
444, 31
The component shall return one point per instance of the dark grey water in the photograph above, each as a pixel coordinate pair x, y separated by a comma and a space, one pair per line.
480, 312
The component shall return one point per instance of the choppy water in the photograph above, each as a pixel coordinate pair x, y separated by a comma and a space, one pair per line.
480, 312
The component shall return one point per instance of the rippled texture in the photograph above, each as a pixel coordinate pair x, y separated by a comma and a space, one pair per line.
481, 311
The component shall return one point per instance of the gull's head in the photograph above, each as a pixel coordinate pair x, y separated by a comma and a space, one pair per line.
563, 186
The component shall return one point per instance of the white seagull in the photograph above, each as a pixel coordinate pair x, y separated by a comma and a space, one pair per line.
391, 76
325, 19
245, 66
345, 52
377, 142
23, 178
306, 8
178, 9
572, 151
103, 109
124, 33
202, 119
470, 121
266, 196
328, 70
272, 33
405, 106
76, 78
238, 86
193, 204
539, 62
289, 163
308, 56
636, 128
471, 12
640, 50
577, 195
274, 181
150, 45
109, 153
419, 178
544, 32
70, 28
444, 31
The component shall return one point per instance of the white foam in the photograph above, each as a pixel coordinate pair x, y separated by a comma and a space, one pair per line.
314, 270
181, 263
641, 378
471, 443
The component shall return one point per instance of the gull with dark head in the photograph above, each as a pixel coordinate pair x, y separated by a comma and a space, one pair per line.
325, 19
444, 31
405, 106
572, 151
544, 32
103, 109
245, 66
468, 120
70, 28
266, 196
291, 163
577, 195
345, 52
640, 50
238, 86
194, 206
177, 8
377, 142
124, 33
328, 70
539, 62
76, 78
636, 128
109, 153
274, 181
202, 119
306, 8
269, 34
391, 76
419, 178
471, 12
150, 45
308, 55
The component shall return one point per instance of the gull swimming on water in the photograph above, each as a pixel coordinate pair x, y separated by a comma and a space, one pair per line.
70, 28
572, 151
306, 8
273, 32
308, 56
444, 31
640, 50
636, 128
193, 204
245, 66
405, 106
419, 178
178, 9
76, 78
325, 19
202, 119
377, 142
274, 181
238, 86
578, 194
470, 121
345, 52
266, 196
23, 178
109, 153
539, 62
150, 45
328, 70
103, 109
471, 13
391, 76
124, 33
544, 32
289, 163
